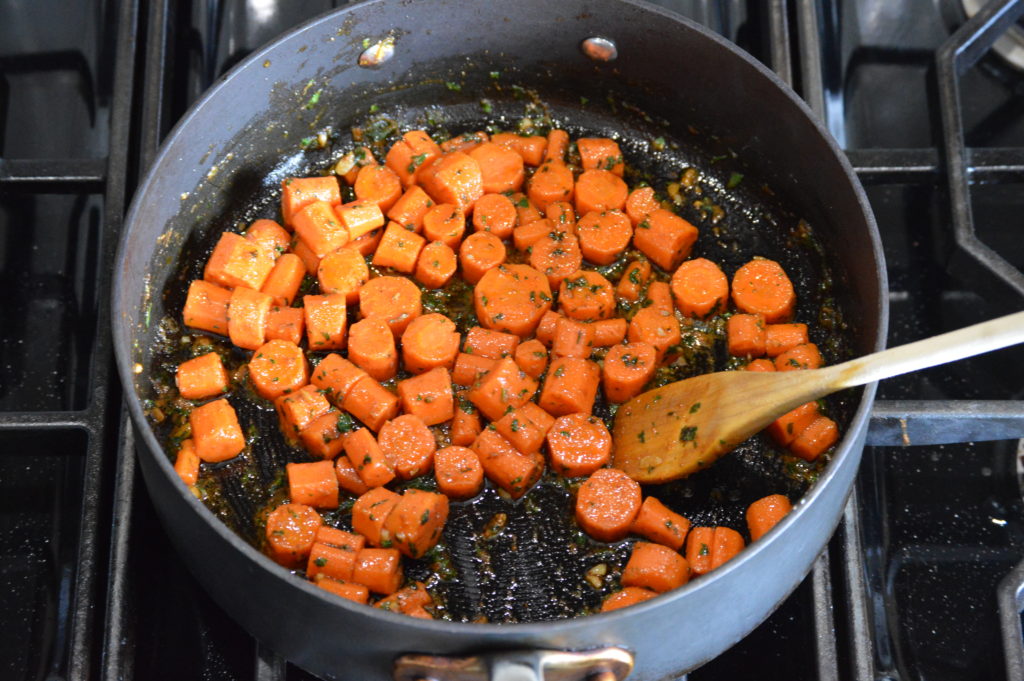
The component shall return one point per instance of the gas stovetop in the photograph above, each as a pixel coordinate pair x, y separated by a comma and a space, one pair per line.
922, 579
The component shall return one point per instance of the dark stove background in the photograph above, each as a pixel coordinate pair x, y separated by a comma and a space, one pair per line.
909, 587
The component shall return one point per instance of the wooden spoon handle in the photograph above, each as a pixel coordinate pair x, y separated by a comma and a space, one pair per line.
948, 347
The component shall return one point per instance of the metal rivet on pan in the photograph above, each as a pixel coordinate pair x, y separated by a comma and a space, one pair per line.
600, 49
378, 53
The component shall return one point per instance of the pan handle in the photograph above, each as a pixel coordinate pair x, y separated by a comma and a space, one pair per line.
602, 664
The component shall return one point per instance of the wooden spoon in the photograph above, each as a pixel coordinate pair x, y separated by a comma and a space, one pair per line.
683, 427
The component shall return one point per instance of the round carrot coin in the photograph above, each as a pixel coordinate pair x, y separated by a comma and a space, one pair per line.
604, 236
700, 288
606, 504
394, 299
578, 445
762, 287
278, 367
512, 298
586, 296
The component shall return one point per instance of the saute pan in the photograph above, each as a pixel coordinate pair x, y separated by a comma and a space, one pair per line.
606, 65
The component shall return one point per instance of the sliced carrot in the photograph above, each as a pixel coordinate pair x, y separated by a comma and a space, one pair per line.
396, 300
298, 409
379, 570
745, 334
586, 296
633, 280
530, 148
343, 272
347, 590
466, 142
495, 213
760, 365
608, 332
532, 357
562, 216
762, 287
656, 328
278, 367
816, 438
501, 170
291, 533
479, 253
367, 458
489, 343
599, 191
367, 243
428, 396
526, 212
507, 467
607, 503
665, 238
379, 185
459, 472
430, 341
398, 248
503, 387
408, 445
334, 376
572, 339
215, 431
765, 513
247, 317
790, 425
551, 182
699, 543
727, 542
370, 402
411, 208
778, 338
546, 327
660, 524
286, 323
285, 278
557, 256
406, 599
627, 369
202, 377
299, 192
631, 595
469, 368
416, 522
655, 567
274, 238
700, 288
330, 562
570, 386
206, 307
308, 257
436, 265
237, 261
659, 297
411, 154
445, 223
325, 321
578, 445
604, 236
348, 165
525, 427
512, 298
359, 217
557, 145
313, 484
370, 511
600, 153
322, 438
805, 356
318, 227
339, 539
465, 424
453, 178
371, 347
348, 476
640, 203
186, 463
524, 237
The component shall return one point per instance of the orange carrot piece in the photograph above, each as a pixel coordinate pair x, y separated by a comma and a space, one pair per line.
490, 344
334, 376
469, 368
359, 217
285, 279
557, 256
445, 223
665, 238
453, 178
551, 182
745, 335
367, 458
512, 298
411, 154
505, 466
698, 549
406, 599
778, 338
272, 237
659, 297
465, 424
660, 524
501, 170
370, 402
524, 237
600, 153
659, 329
371, 347
525, 427
339, 539
313, 484
322, 438
607, 503
347, 590
570, 386
379, 570
557, 145
640, 203
504, 386
526, 212
343, 272
815, 439
318, 227
546, 327
532, 357
411, 208
530, 148
428, 396
308, 257
578, 445
299, 192
760, 365
762, 287
298, 409
367, 243
790, 425
765, 513
215, 431
396, 300
586, 296
291, 533
436, 265
630, 595
430, 341
655, 567
330, 562
237, 261
408, 445
399, 248
604, 236
370, 511
608, 332
466, 142
459, 472
202, 377
247, 317
572, 339
805, 356
726, 543
627, 369
286, 323
562, 217
325, 321
348, 166
599, 191
495, 213
634, 278
479, 253
700, 288
278, 367
206, 307
186, 464
378, 185
415, 524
